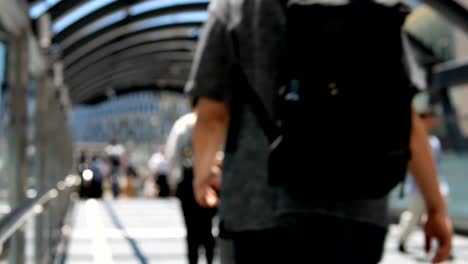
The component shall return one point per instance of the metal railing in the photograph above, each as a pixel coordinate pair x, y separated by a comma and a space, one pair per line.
52, 202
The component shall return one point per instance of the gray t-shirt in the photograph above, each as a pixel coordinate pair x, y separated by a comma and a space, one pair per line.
247, 200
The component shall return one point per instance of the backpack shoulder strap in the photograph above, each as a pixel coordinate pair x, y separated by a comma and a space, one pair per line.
269, 127
245, 94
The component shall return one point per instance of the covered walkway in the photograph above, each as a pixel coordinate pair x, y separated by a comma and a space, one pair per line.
74, 74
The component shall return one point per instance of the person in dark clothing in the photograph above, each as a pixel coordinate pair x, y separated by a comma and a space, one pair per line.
115, 152
161, 182
82, 164
198, 220
158, 165
97, 180
131, 174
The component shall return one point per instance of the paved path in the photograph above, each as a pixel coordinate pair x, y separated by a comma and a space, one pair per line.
152, 231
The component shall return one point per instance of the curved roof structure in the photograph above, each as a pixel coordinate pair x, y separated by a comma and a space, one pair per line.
117, 44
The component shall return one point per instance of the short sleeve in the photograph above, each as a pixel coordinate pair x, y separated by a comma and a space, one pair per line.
210, 69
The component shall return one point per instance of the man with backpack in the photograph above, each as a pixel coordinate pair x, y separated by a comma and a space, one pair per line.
294, 193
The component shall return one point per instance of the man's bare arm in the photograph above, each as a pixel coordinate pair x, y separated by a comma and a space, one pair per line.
423, 169
422, 166
209, 137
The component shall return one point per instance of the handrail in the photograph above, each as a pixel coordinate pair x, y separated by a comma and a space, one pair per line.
16, 218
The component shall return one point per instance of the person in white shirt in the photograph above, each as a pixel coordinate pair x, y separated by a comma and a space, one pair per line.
159, 167
115, 149
198, 220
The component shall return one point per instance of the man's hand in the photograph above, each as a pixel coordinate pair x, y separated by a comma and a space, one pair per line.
207, 188
439, 227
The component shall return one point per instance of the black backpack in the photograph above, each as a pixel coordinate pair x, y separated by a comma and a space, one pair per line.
342, 121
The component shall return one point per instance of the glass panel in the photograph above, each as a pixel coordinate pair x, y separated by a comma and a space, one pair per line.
90, 7
154, 5
4, 112
94, 27
179, 18
40, 8
160, 21
84, 10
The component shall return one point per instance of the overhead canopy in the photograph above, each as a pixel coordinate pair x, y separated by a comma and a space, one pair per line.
118, 44
114, 44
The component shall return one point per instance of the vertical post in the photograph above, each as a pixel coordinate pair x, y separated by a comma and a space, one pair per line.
63, 164
50, 164
42, 138
54, 159
41, 235
17, 137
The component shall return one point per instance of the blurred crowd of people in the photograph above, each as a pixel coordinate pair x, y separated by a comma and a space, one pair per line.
109, 173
